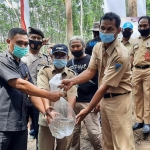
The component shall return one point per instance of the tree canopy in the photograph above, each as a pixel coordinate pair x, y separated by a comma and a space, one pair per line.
50, 17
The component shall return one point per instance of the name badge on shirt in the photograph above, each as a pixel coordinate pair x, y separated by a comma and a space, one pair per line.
148, 45
147, 56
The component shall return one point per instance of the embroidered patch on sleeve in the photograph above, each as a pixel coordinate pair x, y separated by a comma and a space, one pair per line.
118, 66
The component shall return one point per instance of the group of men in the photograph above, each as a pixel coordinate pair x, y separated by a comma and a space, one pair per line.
104, 83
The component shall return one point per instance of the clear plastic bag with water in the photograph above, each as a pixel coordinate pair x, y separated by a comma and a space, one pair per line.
63, 124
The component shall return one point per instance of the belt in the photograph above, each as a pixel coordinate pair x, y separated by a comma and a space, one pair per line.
110, 95
143, 67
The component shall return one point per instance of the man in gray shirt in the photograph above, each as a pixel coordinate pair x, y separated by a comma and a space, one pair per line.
15, 86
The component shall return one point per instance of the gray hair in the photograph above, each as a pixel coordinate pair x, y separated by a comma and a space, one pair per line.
77, 38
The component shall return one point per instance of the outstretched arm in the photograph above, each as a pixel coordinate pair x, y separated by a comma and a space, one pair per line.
81, 78
30, 89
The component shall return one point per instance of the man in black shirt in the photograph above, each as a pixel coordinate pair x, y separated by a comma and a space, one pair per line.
90, 44
15, 86
79, 63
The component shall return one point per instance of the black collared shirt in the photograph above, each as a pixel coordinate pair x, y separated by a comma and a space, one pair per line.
12, 101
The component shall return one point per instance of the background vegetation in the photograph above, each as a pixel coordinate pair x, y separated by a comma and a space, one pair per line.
50, 17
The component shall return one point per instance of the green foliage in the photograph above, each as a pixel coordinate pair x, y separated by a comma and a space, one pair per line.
3, 47
148, 7
50, 17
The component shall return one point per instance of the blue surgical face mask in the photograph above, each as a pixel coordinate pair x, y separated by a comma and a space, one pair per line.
19, 51
60, 63
107, 37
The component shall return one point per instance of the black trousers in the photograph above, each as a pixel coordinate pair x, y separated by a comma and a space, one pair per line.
13, 140
34, 114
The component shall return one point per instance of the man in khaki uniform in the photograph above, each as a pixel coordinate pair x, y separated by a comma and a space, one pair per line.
35, 60
140, 54
127, 30
112, 61
60, 56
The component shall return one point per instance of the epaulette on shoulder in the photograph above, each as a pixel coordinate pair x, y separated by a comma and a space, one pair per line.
47, 66
118, 48
45, 55
72, 71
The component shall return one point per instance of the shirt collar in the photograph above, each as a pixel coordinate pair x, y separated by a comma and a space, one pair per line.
111, 47
140, 37
129, 41
64, 71
10, 56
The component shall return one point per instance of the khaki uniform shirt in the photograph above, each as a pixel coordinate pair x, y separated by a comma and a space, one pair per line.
139, 49
128, 44
113, 66
35, 63
45, 75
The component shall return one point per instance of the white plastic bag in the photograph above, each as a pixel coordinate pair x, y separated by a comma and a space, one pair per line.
63, 124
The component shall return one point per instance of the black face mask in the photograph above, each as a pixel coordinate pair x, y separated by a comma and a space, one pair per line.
35, 45
77, 54
144, 32
126, 34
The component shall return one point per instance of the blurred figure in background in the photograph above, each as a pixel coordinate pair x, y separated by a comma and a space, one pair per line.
90, 44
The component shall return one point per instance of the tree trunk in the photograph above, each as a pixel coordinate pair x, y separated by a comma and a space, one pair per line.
132, 8
69, 21
81, 18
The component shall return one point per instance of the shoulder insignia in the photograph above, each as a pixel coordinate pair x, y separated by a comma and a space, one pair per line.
118, 66
72, 71
147, 44
135, 46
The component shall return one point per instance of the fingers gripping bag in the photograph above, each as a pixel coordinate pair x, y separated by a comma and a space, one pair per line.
63, 124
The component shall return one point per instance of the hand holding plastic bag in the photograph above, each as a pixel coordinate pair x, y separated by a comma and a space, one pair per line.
63, 124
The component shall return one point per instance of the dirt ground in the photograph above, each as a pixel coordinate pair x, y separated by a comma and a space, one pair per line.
142, 141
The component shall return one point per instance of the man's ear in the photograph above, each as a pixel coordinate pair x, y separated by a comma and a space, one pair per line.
68, 57
84, 46
8, 41
119, 30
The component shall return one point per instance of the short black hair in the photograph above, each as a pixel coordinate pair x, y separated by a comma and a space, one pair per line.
12, 32
144, 17
111, 16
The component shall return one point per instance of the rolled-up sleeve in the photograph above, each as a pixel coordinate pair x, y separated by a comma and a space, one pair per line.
72, 92
93, 60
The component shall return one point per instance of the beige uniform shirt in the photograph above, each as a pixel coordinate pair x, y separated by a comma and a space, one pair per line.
139, 49
35, 63
113, 66
45, 75
128, 44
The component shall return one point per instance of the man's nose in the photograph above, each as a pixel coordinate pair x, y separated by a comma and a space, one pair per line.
75, 48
